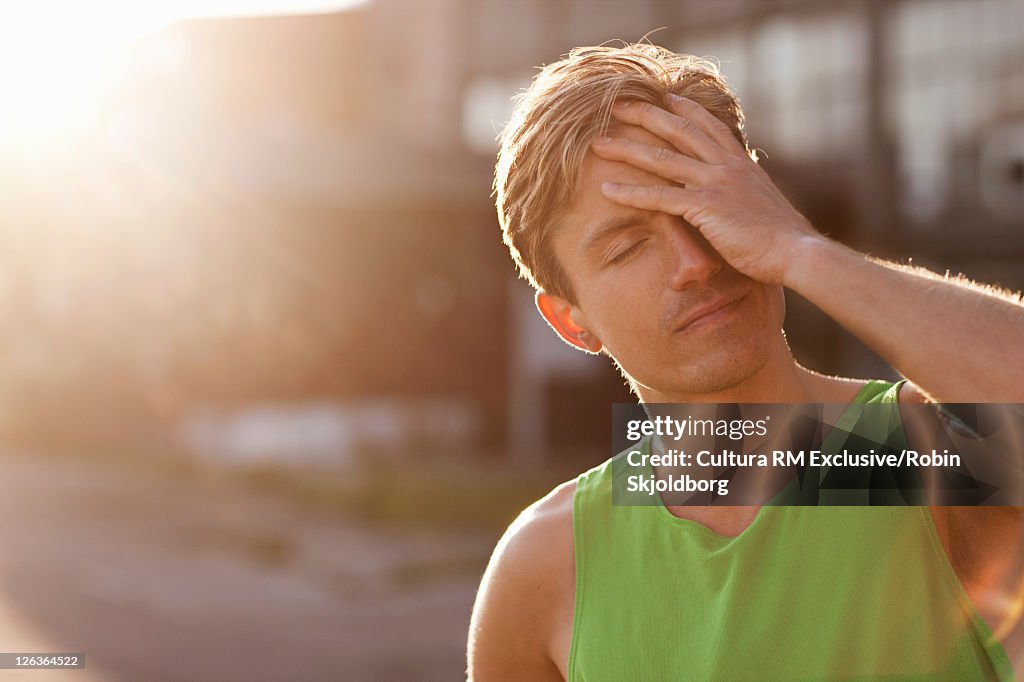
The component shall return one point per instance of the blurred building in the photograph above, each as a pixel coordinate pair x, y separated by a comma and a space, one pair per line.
342, 164
897, 127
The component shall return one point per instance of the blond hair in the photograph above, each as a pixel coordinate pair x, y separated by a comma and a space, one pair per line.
567, 105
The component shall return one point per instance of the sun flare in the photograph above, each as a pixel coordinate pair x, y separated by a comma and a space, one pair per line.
59, 57
56, 58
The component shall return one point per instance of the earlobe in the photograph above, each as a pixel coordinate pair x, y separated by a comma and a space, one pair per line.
567, 321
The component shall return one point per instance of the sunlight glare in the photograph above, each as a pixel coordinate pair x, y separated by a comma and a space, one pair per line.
55, 57
58, 57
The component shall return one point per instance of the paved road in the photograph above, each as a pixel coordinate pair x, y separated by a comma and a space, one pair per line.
155, 578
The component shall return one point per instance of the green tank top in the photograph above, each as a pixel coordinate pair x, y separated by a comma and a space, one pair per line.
803, 593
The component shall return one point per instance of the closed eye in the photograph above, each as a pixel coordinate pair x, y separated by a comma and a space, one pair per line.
626, 253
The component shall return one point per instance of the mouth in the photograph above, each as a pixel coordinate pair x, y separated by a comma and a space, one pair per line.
711, 313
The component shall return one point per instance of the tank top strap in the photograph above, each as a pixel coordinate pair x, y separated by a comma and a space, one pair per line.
880, 391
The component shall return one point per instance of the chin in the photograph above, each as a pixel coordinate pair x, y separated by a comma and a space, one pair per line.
719, 369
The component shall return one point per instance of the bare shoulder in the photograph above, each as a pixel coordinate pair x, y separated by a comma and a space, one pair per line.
525, 594
550, 514
537, 544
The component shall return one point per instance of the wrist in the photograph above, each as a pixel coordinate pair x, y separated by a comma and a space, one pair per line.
812, 260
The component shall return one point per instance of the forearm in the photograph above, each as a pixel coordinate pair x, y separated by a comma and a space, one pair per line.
957, 342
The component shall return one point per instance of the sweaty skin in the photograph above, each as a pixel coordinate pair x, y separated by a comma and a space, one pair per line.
672, 219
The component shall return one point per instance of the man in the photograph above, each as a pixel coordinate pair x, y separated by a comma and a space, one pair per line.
630, 200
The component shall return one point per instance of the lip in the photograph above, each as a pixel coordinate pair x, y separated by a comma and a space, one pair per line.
710, 313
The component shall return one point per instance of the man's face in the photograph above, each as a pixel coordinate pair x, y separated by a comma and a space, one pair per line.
640, 278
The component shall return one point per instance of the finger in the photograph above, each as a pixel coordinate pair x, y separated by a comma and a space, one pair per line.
711, 125
663, 198
681, 133
662, 161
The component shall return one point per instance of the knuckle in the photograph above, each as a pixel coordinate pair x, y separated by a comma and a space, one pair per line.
684, 126
706, 195
662, 155
642, 107
681, 102
720, 125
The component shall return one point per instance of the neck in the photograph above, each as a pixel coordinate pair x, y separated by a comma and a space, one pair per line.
780, 380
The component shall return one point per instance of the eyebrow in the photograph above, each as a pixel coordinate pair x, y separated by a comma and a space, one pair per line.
610, 226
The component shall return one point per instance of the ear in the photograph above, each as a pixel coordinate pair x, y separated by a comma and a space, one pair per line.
568, 322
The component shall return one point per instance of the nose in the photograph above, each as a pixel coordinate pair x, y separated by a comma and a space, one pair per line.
690, 258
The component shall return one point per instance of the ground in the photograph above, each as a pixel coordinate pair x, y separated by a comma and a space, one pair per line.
157, 578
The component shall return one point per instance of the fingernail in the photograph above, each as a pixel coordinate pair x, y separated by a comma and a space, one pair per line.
673, 97
623, 103
604, 139
609, 186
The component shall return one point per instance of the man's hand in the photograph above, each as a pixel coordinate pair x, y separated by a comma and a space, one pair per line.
958, 341
712, 184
